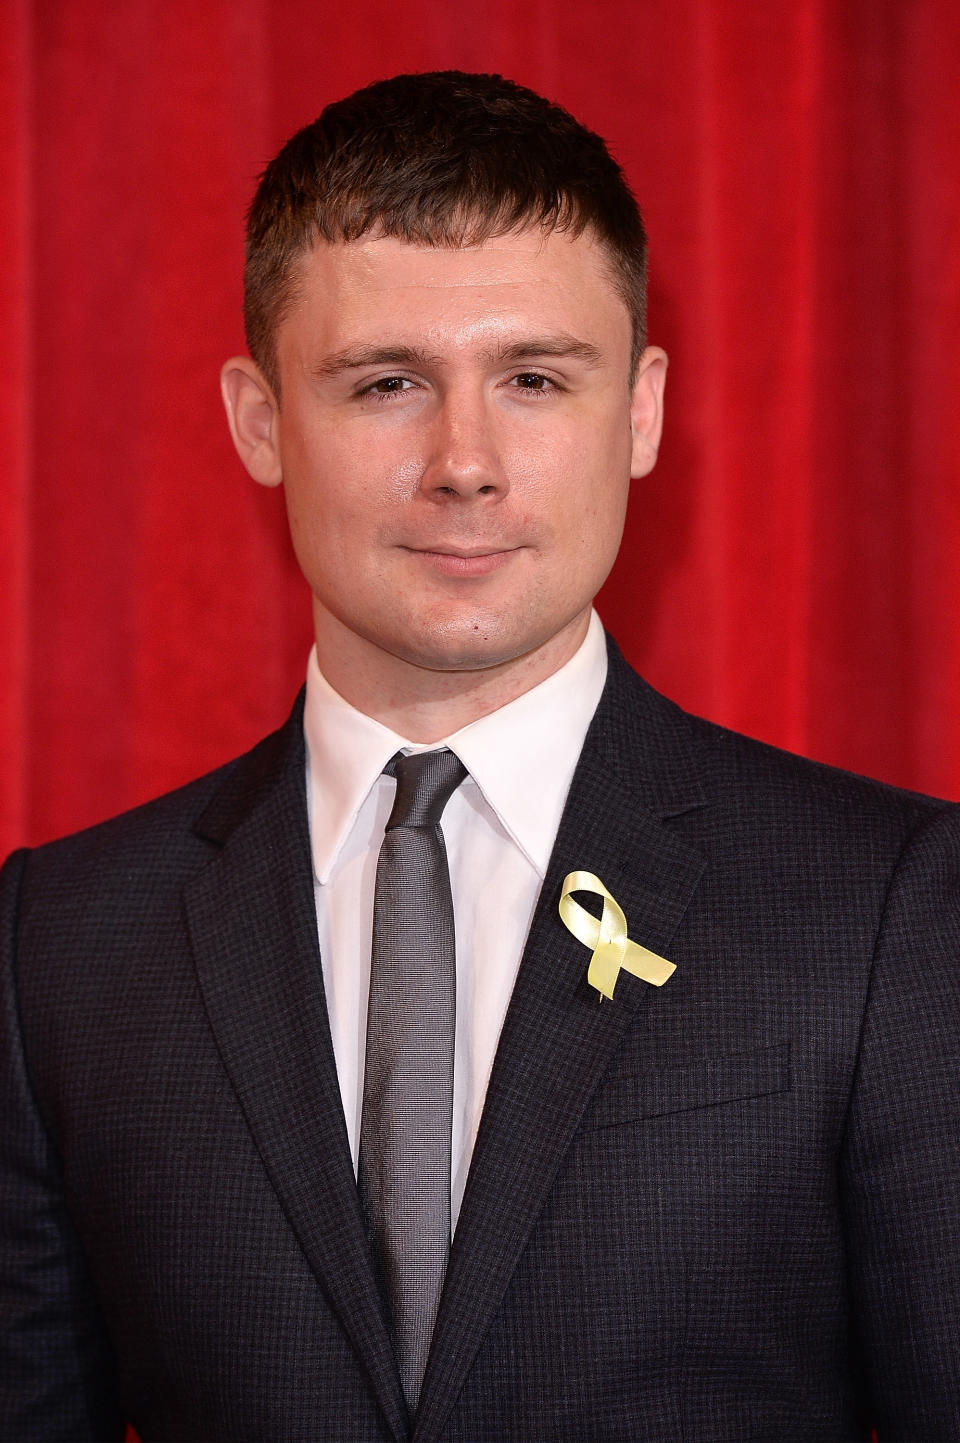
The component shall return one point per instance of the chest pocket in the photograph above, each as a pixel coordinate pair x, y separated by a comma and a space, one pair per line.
706, 1083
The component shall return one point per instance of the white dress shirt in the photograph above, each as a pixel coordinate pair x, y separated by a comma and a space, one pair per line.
499, 828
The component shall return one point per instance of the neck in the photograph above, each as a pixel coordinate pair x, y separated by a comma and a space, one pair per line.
424, 704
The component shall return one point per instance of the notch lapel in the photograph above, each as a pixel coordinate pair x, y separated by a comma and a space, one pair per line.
252, 922
557, 1039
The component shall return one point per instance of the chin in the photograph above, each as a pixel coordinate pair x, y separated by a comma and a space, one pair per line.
478, 657
469, 647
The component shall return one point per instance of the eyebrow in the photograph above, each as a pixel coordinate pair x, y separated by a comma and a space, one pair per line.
558, 346
361, 356
528, 348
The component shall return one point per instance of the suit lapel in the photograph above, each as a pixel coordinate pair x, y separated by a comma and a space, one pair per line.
252, 922
557, 1039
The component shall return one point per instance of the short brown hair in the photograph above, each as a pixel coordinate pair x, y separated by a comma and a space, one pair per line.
445, 159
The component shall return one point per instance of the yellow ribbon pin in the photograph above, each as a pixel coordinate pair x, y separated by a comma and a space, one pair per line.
607, 938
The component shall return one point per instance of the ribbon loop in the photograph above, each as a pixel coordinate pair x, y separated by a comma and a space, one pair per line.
606, 936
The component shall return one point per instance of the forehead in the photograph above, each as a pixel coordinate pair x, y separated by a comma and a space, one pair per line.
529, 277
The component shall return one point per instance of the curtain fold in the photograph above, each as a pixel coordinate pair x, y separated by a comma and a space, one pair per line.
16, 292
788, 569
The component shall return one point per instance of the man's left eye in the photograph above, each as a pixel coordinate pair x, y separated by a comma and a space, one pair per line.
389, 385
532, 381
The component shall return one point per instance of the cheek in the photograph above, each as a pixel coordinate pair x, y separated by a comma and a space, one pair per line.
594, 528
346, 480
587, 487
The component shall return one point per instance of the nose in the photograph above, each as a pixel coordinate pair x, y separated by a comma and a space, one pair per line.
463, 457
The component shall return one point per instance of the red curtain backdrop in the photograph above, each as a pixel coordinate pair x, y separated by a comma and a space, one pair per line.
789, 567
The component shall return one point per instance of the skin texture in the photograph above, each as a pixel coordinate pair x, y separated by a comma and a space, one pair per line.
456, 439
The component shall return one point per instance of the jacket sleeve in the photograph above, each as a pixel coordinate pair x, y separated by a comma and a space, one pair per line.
900, 1175
56, 1371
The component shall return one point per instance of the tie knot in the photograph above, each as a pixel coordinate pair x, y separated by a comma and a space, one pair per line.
425, 783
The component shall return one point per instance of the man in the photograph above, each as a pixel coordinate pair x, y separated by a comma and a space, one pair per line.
720, 1202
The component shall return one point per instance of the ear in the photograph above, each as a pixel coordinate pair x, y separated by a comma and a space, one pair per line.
646, 410
252, 412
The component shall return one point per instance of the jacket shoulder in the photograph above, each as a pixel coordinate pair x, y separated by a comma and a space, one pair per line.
151, 836
799, 783
753, 780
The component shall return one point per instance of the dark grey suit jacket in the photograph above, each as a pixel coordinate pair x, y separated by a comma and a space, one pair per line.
727, 1209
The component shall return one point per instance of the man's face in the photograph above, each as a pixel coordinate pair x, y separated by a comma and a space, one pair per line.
456, 438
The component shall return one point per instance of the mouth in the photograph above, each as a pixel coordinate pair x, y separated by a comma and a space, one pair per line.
464, 561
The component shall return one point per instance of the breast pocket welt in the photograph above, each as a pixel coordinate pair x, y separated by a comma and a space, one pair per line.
707, 1083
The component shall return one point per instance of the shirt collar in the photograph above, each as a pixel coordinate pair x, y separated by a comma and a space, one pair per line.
521, 757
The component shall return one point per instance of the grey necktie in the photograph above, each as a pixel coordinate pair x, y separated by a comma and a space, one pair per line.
404, 1167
